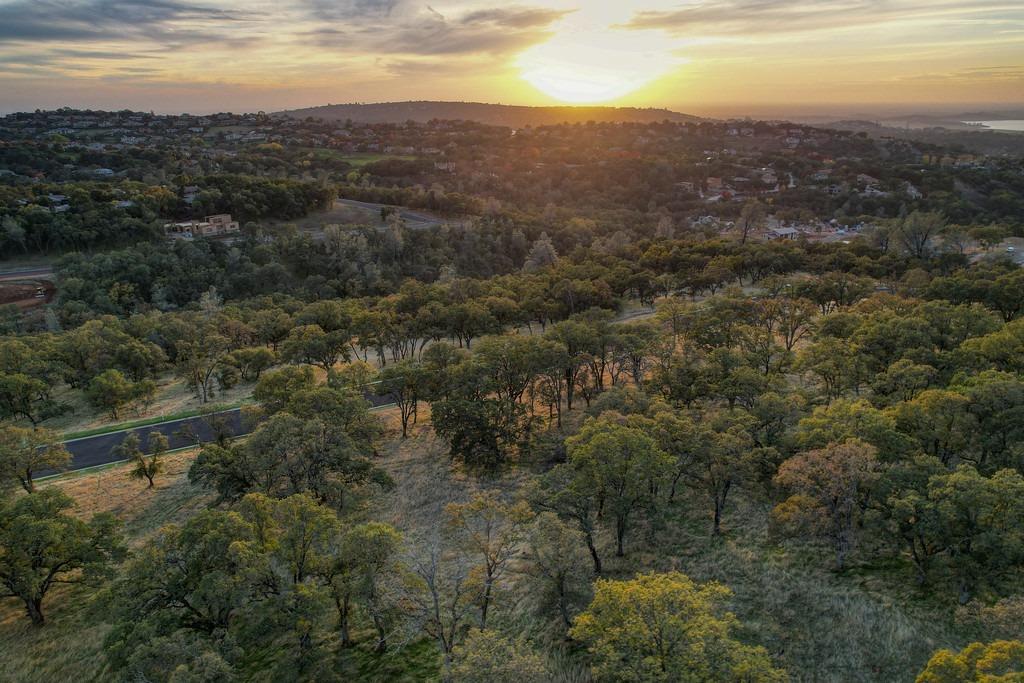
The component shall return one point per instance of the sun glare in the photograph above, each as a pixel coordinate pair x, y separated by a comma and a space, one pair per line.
593, 67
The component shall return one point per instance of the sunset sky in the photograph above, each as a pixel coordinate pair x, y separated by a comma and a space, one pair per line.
698, 56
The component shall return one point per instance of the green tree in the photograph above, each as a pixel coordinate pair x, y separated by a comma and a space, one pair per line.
287, 455
238, 584
251, 362
275, 389
361, 575
665, 627
723, 457
751, 219
41, 545
25, 452
618, 465
917, 231
310, 344
481, 432
488, 656
563, 493
28, 397
143, 466
111, 391
1002, 660
198, 358
939, 421
845, 419
980, 521
405, 382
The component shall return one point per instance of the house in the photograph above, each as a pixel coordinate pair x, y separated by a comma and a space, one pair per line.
211, 226
782, 234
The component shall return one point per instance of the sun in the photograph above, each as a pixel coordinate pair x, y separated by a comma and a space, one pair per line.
593, 67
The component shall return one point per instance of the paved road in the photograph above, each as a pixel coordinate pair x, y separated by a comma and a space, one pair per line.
42, 272
90, 451
413, 219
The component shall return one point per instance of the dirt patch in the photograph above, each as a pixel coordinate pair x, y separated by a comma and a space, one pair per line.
27, 293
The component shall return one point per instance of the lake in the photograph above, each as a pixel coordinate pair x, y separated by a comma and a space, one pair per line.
1015, 125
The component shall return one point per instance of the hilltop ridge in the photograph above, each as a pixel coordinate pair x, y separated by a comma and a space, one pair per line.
493, 114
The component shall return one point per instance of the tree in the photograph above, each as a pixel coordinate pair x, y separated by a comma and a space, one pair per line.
251, 362
310, 344
490, 530
234, 582
980, 522
481, 432
619, 466
488, 656
1002, 660
364, 564
442, 596
111, 391
28, 397
939, 421
556, 566
198, 358
404, 382
917, 231
751, 218
843, 420
793, 319
560, 491
828, 490
665, 627
542, 255
143, 466
287, 455
275, 389
41, 546
26, 452
903, 509
724, 456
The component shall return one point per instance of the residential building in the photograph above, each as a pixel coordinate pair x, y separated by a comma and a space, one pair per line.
211, 226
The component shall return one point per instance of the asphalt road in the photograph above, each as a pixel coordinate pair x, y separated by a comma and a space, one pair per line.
413, 219
43, 272
90, 451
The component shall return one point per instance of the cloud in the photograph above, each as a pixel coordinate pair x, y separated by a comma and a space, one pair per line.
348, 10
784, 17
395, 28
105, 20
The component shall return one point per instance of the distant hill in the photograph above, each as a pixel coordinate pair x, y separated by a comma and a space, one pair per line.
493, 114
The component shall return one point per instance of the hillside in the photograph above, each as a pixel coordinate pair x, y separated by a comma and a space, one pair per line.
493, 114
